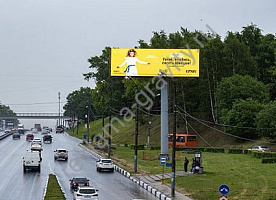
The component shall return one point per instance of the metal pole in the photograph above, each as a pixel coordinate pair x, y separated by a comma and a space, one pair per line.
149, 127
109, 131
58, 108
174, 142
87, 124
102, 118
136, 138
164, 119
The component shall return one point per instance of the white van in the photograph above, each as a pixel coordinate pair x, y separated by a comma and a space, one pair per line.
31, 160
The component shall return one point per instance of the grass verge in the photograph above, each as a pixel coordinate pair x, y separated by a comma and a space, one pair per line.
54, 191
247, 177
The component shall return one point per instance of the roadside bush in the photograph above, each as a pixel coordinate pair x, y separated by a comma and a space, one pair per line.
190, 149
214, 150
263, 154
268, 160
155, 148
235, 151
246, 151
139, 147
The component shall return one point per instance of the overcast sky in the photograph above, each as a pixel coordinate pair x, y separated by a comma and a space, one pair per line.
45, 44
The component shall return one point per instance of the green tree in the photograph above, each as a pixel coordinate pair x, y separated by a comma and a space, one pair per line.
212, 59
6, 111
237, 58
266, 121
77, 102
239, 87
251, 35
241, 118
100, 68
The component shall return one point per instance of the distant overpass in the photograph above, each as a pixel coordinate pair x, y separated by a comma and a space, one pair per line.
36, 116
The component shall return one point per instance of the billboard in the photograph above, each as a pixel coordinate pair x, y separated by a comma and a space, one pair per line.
152, 62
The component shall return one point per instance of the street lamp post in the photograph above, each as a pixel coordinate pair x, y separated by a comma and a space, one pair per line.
174, 143
109, 131
87, 127
136, 138
58, 108
148, 140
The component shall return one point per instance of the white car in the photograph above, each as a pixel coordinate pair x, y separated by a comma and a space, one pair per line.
86, 192
104, 164
260, 149
36, 141
36, 147
61, 154
34, 130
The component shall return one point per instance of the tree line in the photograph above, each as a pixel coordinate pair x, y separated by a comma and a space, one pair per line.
236, 87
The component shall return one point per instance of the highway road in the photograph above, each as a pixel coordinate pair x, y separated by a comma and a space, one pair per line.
14, 184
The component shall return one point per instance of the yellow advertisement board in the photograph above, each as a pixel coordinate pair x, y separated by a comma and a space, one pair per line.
152, 62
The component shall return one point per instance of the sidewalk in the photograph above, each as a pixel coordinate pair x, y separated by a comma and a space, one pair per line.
155, 181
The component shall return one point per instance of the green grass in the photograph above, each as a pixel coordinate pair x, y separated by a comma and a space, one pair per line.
123, 133
54, 191
246, 177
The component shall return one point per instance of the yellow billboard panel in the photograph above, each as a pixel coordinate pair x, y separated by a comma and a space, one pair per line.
152, 62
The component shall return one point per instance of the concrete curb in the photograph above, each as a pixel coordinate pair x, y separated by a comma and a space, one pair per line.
125, 173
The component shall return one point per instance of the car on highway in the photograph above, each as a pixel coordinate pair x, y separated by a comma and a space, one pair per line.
76, 182
31, 161
7, 131
61, 154
29, 137
47, 138
86, 192
34, 130
104, 164
44, 132
259, 148
36, 147
16, 135
60, 129
36, 141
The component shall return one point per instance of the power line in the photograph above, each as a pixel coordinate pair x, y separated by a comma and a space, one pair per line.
235, 136
231, 126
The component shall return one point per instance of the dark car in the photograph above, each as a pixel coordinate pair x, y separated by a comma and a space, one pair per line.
76, 182
47, 138
16, 135
59, 129
29, 137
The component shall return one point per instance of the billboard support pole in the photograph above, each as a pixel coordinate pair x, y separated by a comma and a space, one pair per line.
164, 119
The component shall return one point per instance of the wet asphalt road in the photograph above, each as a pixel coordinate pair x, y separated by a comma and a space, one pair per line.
15, 184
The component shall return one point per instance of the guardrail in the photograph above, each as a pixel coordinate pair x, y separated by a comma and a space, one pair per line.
5, 135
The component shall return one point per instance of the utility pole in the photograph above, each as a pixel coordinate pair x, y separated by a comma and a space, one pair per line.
174, 141
136, 138
149, 127
102, 118
109, 131
58, 108
87, 130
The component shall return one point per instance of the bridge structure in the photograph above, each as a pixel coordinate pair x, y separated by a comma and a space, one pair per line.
36, 116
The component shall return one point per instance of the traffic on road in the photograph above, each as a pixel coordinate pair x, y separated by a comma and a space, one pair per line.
20, 180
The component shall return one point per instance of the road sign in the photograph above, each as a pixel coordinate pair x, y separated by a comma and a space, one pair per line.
168, 164
223, 197
163, 161
224, 189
